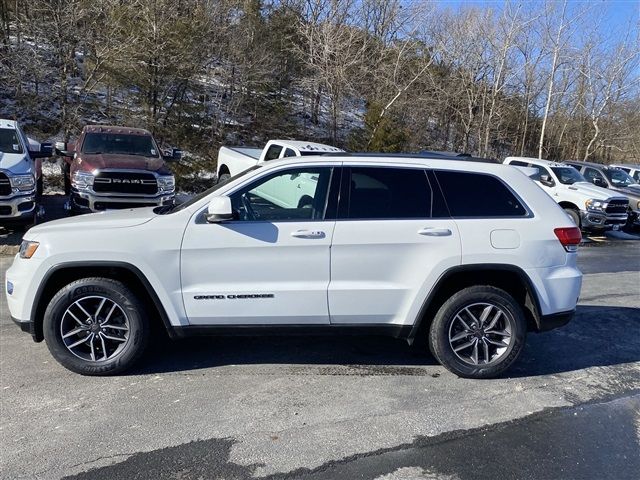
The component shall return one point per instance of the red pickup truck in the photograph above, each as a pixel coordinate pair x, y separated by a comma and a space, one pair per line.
110, 167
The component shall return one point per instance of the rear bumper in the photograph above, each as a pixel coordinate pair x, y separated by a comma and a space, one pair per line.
90, 202
555, 320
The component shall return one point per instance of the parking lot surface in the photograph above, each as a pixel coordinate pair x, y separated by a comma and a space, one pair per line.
354, 407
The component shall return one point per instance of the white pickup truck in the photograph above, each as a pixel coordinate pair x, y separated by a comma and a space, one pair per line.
590, 207
235, 160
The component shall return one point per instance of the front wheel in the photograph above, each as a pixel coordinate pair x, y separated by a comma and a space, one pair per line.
478, 333
96, 326
573, 215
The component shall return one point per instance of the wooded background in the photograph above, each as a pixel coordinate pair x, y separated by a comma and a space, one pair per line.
536, 78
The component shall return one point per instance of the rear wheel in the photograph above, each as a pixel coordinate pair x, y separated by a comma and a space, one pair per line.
478, 333
96, 326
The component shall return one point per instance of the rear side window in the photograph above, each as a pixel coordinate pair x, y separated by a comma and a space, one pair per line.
478, 195
517, 163
388, 193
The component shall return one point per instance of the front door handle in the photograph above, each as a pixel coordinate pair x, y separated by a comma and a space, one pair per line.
435, 232
308, 234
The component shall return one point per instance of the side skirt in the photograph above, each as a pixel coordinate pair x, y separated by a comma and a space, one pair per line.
395, 331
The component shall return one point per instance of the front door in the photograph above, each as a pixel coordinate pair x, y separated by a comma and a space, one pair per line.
271, 264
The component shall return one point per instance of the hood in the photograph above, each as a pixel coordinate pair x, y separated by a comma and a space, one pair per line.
593, 191
630, 191
16, 163
89, 162
95, 221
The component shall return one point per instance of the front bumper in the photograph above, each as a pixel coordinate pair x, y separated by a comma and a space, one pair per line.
18, 207
602, 220
92, 202
26, 326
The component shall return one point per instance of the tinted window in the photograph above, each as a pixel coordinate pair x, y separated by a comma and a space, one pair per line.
636, 176
385, 193
478, 195
289, 153
295, 194
273, 152
517, 163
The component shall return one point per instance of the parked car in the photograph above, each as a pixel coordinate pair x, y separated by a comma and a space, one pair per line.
111, 167
632, 170
21, 182
614, 179
590, 207
413, 248
235, 160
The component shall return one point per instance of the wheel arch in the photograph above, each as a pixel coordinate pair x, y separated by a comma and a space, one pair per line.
509, 278
565, 204
63, 274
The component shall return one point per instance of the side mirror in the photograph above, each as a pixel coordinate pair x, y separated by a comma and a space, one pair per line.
61, 148
547, 181
219, 210
599, 182
46, 150
172, 155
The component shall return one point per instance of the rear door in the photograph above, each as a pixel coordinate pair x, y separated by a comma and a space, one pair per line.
392, 240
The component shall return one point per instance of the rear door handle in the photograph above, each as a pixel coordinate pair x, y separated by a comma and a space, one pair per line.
435, 232
308, 234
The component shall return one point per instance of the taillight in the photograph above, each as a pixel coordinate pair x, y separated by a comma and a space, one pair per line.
570, 237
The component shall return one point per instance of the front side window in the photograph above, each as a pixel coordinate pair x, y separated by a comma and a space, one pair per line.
478, 195
273, 152
568, 175
591, 174
294, 194
388, 193
121, 144
9, 142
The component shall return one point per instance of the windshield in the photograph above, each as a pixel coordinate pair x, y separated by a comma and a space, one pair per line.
568, 175
115, 143
196, 198
9, 142
618, 177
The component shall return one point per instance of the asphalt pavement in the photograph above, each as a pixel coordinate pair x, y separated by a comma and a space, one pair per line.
317, 407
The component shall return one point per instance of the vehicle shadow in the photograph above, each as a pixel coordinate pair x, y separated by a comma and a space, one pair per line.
597, 336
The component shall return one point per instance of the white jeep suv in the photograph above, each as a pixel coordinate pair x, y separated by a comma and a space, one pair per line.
465, 255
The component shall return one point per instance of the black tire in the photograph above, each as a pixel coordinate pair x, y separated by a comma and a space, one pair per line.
125, 355
224, 178
67, 183
440, 330
574, 215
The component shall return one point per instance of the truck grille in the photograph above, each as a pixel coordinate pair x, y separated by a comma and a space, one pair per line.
617, 206
126, 182
5, 185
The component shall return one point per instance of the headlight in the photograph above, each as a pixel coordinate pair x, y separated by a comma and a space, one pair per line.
638, 205
23, 182
82, 180
595, 205
28, 248
166, 184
